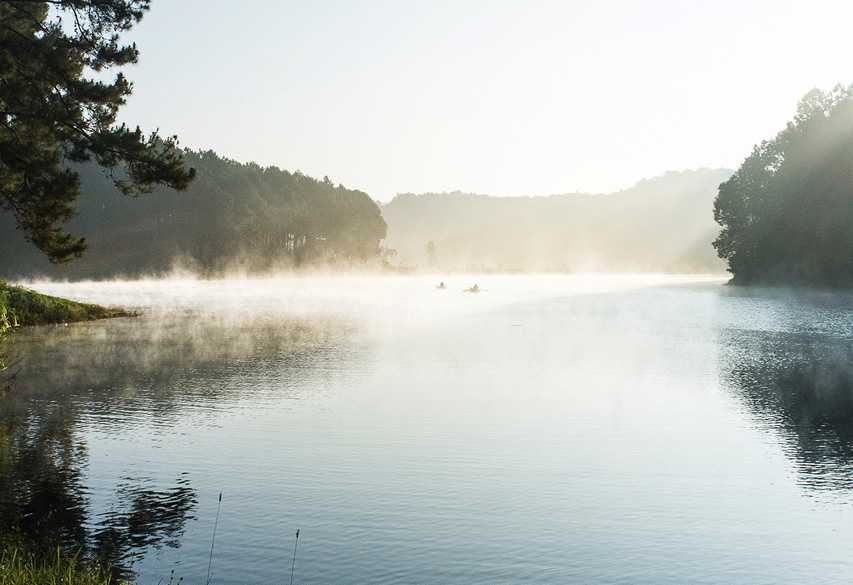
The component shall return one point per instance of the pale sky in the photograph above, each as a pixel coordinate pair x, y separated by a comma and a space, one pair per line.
500, 97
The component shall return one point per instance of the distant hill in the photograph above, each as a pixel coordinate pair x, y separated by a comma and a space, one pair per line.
660, 224
233, 215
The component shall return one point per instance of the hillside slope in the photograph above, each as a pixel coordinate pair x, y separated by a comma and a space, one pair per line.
660, 224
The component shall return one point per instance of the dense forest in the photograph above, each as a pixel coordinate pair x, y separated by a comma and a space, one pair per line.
787, 212
233, 215
661, 224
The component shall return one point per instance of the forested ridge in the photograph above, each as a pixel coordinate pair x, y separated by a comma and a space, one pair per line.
660, 224
233, 215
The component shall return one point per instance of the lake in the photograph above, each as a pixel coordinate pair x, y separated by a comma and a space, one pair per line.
550, 429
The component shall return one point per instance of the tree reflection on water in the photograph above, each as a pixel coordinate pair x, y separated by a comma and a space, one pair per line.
801, 385
44, 501
127, 371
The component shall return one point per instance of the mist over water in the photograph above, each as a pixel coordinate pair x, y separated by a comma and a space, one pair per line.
551, 429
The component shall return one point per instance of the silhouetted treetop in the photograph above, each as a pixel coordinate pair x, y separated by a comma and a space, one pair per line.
52, 112
787, 212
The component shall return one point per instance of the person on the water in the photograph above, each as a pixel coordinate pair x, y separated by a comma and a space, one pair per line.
473, 289
441, 285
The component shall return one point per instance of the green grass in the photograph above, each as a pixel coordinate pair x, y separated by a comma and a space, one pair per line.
19, 567
21, 307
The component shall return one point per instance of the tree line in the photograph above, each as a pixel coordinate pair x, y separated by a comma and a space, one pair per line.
233, 214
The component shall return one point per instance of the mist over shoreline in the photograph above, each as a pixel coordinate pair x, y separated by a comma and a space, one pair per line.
215, 230
662, 224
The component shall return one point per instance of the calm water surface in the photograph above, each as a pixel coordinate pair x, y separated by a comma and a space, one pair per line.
583, 429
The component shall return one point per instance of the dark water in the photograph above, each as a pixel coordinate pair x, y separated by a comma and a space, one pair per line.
549, 430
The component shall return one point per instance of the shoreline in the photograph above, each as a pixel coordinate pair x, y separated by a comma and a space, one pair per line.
24, 307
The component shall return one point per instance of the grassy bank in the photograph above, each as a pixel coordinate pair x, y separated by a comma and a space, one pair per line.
20, 307
19, 567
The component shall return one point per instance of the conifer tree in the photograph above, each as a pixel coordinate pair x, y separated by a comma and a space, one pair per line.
58, 107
